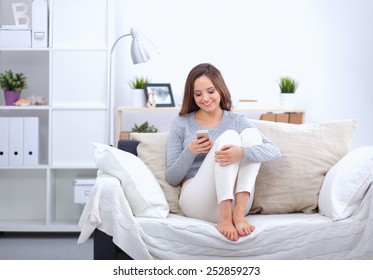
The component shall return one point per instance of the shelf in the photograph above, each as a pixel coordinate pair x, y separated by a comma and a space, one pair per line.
272, 111
63, 226
85, 107
23, 49
78, 49
39, 226
74, 166
21, 225
239, 109
24, 108
22, 167
127, 108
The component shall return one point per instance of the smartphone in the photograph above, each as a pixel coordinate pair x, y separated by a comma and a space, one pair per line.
203, 133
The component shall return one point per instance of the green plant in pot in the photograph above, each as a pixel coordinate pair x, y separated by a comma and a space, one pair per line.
138, 95
12, 84
288, 87
144, 128
138, 82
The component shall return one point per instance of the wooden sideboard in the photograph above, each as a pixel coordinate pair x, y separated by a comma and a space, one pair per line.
294, 115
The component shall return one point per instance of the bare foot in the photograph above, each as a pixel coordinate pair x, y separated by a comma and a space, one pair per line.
225, 222
242, 225
226, 228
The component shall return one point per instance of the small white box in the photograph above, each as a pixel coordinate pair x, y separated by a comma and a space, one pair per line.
39, 23
82, 189
15, 36
81, 193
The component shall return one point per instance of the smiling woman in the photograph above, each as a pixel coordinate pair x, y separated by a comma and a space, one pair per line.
225, 164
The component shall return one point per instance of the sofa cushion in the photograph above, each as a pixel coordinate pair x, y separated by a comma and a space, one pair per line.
140, 187
308, 151
346, 183
152, 151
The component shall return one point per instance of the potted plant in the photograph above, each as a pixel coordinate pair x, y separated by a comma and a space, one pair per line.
144, 128
138, 94
288, 87
12, 84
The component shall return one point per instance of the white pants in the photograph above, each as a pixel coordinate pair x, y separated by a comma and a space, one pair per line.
200, 196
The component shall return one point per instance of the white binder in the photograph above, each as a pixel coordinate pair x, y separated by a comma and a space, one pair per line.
4, 141
15, 141
31, 141
39, 24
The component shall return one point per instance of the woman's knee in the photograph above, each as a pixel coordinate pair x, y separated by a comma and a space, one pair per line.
229, 137
251, 136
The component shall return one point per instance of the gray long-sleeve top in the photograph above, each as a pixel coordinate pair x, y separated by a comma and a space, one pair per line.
183, 164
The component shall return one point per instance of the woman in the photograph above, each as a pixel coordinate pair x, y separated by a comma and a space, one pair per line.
218, 172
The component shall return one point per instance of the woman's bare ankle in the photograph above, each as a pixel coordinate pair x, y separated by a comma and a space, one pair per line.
242, 226
225, 221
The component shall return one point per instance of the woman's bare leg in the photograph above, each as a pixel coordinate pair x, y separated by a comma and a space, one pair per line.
242, 226
225, 222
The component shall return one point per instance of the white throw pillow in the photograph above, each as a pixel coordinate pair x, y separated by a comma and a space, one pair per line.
140, 187
346, 183
152, 150
308, 151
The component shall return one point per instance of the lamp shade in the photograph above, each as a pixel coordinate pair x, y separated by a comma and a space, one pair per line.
142, 49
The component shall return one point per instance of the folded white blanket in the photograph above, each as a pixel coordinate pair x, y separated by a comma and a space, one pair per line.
107, 202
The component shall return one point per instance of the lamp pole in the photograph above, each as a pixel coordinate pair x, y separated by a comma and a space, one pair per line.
140, 53
111, 95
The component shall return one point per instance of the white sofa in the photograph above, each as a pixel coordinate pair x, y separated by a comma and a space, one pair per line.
314, 203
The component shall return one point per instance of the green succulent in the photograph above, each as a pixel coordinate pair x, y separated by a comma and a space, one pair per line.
287, 85
12, 82
138, 82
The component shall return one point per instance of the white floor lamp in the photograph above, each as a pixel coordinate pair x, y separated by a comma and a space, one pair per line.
142, 50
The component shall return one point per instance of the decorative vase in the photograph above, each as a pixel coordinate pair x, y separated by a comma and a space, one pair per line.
287, 100
138, 98
11, 97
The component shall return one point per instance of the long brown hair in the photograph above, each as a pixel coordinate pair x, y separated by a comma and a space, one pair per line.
210, 71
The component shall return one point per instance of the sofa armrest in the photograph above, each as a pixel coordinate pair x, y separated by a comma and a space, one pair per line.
129, 146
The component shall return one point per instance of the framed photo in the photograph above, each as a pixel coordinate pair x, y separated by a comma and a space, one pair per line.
159, 95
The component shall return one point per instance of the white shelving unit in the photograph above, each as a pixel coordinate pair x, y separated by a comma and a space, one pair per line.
72, 75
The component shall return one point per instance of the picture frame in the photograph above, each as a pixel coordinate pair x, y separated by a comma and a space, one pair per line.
159, 95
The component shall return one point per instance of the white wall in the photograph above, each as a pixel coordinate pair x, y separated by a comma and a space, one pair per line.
326, 45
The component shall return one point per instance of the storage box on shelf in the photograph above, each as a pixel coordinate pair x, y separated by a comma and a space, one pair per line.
24, 25
82, 189
15, 36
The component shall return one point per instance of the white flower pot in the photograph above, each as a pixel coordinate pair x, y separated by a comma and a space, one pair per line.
138, 98
287, 100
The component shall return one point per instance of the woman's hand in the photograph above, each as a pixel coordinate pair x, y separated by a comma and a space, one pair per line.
229, 154
200, 146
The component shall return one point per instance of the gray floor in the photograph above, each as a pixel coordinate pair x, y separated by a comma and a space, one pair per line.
44, 246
